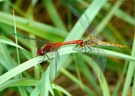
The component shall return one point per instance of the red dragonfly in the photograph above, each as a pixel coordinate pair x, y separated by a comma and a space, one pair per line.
50, 47
53, 47
92, 41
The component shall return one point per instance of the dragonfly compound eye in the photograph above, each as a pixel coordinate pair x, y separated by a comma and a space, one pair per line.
40, 52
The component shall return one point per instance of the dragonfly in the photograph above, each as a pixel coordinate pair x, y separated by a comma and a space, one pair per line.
53, 47
93, 41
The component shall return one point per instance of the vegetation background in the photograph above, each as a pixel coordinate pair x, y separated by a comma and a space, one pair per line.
77, 74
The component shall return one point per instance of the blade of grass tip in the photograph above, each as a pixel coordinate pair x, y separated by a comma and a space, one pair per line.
107, 18
130, 71
9, 42
61, 89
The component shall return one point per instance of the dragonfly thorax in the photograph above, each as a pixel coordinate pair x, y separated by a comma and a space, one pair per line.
92, 42
49, 47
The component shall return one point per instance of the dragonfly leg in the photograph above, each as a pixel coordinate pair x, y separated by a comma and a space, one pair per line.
75, 48
57, 53
44, 58
90, 48
83, 48
47, 57
55, 58
45, 54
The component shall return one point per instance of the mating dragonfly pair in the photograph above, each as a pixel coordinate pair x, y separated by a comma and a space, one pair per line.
91, 42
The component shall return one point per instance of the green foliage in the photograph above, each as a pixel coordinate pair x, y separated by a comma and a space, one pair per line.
97, 13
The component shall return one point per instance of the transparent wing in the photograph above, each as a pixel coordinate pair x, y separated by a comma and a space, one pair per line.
90, 27
101, 60
26, 38
78, 16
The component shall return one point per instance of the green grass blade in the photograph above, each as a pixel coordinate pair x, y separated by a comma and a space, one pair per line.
130, 72
54, 14
9, 42
107, 18
122, 15
61, 89
84, 88
36, 28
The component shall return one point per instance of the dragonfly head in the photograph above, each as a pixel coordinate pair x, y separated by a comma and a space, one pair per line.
40, 52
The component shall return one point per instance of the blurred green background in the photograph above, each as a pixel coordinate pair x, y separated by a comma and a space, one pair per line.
77, 74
